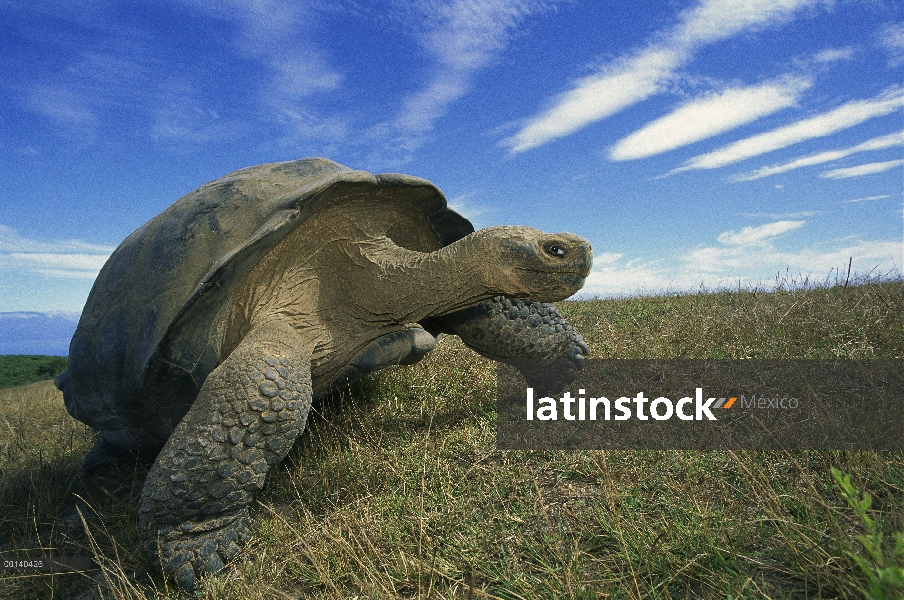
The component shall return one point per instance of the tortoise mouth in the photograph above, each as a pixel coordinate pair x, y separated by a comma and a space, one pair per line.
554, 284
583, 272
581, 269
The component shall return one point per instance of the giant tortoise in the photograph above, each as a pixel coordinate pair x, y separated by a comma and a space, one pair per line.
212, 327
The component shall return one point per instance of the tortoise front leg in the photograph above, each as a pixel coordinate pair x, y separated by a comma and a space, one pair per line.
532, 336
193, 514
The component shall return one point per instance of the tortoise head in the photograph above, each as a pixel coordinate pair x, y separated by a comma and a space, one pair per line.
529, 263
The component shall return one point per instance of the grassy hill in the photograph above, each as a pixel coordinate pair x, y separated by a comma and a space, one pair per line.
396, 489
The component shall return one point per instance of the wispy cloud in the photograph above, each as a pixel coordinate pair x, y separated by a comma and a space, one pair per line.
867, 199
66, 258
460, 37
845, 116
629, 277
181, 116
94, 82
11, 241
280, 36
727, 261
892, 38
277, 33
79, 266
121, 74
860, 170
804, 214
710, 115
645, 72
833, 55
61, 104
619, 85
878, 143
753, 236
466, 206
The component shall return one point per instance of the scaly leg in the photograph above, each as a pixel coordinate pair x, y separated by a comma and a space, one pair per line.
193, 514
532, 336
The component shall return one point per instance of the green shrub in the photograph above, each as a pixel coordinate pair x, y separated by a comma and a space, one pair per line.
19, 369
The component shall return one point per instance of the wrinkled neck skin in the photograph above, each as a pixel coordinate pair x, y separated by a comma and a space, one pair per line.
413, 285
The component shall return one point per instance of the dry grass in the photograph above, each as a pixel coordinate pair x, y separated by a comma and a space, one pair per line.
396, 490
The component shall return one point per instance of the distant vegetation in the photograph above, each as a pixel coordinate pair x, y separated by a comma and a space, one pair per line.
22, 369
397, 490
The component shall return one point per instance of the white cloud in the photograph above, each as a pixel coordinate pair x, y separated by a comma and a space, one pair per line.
466, 207
619, 85
878, 143
860, 170
66, 258
833, 55
708, 116
892, 38
758, 262
845, 116
732, 261
11, 241
631, 278
642, 73
460, 37
75, 266
62, 104
752, 236
64, 262
181, 116
867, 199
714, 20
322, 134
293, 72
749, 257
606, 258
277, 33
804, 214
91, 83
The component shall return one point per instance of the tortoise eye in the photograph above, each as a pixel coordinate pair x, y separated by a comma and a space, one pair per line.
555, 250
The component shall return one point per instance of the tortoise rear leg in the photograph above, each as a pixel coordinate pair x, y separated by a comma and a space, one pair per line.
193, 514
404, 347
532, 336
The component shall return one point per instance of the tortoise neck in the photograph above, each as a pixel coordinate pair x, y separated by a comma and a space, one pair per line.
434, 283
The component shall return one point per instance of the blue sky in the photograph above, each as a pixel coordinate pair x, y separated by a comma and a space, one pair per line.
705, 141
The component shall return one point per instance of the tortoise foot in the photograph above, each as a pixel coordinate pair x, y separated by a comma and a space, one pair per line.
186, 557
532, 336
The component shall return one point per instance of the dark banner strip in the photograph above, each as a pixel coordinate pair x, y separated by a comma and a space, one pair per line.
44, 564
705, 405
